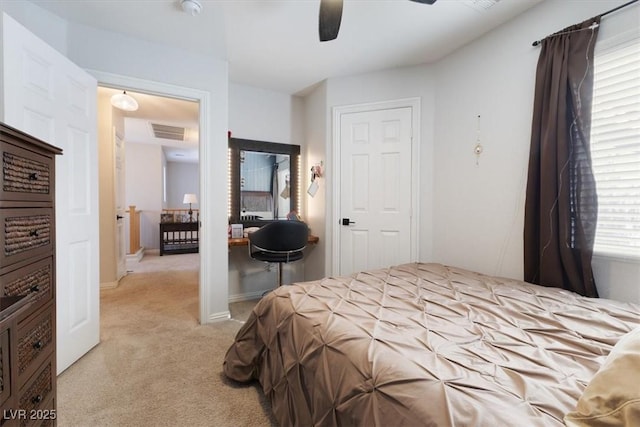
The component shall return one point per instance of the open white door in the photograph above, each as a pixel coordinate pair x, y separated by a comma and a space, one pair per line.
49, 97
119, 188
375, 189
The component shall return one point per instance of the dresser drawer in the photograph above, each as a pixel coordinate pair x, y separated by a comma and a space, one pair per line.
35, 342
36, 396
26, 233
37, 278
26, 175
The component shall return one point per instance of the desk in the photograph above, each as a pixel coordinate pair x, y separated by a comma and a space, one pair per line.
244, 241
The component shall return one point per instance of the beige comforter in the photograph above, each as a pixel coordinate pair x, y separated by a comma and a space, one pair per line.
425, 345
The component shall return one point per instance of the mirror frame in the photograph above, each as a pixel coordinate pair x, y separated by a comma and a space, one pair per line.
235, 146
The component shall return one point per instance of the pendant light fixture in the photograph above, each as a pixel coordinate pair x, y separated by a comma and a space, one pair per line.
124, 102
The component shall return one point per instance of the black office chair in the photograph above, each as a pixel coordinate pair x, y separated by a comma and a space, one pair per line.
279, 242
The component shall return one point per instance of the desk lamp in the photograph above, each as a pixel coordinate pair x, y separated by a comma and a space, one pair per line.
190, 198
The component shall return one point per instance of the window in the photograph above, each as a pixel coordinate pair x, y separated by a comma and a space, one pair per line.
615, 148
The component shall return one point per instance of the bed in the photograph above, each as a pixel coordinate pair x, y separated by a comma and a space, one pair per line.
425, 345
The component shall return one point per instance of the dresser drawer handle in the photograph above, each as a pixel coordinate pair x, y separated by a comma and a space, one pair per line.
33, 233
34, 289
36, 399
33, 176
37, 345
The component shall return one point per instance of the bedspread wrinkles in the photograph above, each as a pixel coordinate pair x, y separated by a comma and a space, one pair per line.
425, 344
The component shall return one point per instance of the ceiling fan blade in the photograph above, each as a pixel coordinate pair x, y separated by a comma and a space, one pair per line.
425, 1
329, 20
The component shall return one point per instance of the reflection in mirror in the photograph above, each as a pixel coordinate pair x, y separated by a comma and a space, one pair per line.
264, 185
263, 181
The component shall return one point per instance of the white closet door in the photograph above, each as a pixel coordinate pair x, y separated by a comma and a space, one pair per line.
375, 189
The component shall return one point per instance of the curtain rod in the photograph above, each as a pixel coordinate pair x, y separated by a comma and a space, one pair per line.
537, 42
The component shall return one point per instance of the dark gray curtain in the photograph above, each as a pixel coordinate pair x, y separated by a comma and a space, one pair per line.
561, 204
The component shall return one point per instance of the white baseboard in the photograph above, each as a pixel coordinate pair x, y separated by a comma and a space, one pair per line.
109, 285
217, 317
137, 257
247, 296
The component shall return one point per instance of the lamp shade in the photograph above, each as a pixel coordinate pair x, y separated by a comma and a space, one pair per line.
190, 198
124, 102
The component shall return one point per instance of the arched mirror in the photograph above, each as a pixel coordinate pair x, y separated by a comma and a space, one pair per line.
263, 181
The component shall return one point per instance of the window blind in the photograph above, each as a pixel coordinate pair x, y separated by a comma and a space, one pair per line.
615, 149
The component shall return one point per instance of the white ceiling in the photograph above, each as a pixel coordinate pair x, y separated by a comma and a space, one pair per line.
164, 111
273, 44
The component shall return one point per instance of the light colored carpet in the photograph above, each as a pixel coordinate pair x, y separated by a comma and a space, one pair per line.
156, 365
153, 262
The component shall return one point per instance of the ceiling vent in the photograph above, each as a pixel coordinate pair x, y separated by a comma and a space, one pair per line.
481, 5
168, 132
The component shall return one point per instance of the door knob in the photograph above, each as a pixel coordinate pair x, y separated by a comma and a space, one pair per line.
347, 221
119, 217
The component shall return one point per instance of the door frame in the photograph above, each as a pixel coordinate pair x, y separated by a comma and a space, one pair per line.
414, 104
205, 182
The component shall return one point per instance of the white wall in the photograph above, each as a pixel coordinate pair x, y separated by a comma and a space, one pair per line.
264, 115
470, 215
109, 118
316, 122
478, 218
182, 178
617, 278
144, 175
401, 83
106, 52
270, 116
143, 172
42, 23
165, 181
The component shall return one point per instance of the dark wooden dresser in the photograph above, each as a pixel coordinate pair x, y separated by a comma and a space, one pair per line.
27, 280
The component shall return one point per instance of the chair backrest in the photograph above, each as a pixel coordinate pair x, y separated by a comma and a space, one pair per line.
281, 236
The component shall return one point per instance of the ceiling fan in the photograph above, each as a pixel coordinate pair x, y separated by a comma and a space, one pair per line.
331, 15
